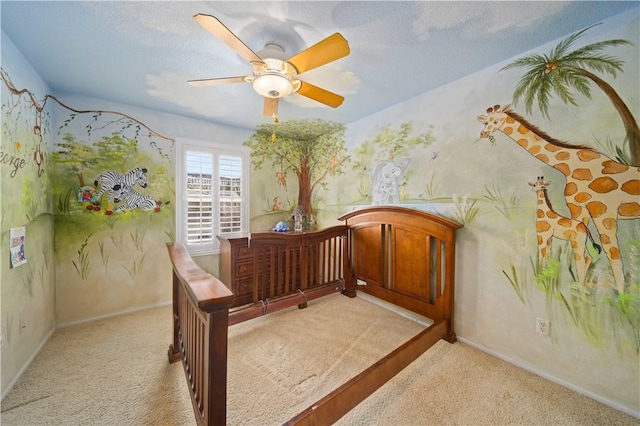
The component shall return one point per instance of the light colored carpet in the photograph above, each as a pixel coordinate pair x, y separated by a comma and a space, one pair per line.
115, 372
281, 364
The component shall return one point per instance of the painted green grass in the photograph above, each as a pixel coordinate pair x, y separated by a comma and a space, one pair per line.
104, 255
603, 315
504, 204
136, 267
27, 279
83, 261
464, 210
517, 277
138, 238
116, 239
433, 187
63, 204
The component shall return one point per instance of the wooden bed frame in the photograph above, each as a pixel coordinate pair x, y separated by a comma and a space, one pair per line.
403, 256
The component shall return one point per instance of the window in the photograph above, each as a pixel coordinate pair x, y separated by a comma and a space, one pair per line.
212, 196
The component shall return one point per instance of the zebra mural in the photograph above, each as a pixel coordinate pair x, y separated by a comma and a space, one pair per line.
134, 200
110, 179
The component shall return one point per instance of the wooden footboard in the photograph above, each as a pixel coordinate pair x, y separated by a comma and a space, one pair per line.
200, 324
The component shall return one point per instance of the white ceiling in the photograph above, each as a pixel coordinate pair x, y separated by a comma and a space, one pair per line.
142, 53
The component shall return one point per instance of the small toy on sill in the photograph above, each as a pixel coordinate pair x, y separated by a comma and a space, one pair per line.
281, 227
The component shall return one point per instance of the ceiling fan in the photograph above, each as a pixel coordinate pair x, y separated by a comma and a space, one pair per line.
273, 77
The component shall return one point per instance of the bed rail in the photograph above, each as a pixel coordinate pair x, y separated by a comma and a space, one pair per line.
339, 402
200, 322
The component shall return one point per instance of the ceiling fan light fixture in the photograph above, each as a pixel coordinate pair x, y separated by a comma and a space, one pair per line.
273, 76
272, 85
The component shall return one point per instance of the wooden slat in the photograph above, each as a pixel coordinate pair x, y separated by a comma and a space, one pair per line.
438, 263
272, 271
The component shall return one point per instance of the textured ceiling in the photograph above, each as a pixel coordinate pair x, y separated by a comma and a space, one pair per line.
142, 53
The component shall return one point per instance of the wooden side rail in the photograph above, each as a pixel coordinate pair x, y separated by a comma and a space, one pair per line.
293, 268
336, 404
200, 322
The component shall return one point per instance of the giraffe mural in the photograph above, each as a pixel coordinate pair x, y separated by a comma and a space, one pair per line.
550, 224
596, 186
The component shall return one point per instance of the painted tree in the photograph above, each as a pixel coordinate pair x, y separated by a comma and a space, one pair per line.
392, 143
564, 70
313, 149
119, 153
75, 155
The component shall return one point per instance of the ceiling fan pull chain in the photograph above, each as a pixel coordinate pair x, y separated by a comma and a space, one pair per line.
275, 121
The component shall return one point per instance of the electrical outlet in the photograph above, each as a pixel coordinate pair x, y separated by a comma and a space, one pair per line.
543, 326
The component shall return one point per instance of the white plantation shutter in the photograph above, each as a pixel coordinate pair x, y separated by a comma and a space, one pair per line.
200, 199
212, 196
231, 194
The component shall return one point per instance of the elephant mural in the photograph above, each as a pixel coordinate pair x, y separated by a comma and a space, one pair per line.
385, 182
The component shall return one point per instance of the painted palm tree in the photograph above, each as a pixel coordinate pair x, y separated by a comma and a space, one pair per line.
564, 70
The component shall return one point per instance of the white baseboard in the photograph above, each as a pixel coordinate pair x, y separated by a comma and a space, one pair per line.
26, 364
115, 314
554, 379
427, 322
70, 324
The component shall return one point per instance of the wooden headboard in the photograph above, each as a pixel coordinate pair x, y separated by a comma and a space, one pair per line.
404, 256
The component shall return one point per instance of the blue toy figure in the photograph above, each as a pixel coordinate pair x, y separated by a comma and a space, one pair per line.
281, 227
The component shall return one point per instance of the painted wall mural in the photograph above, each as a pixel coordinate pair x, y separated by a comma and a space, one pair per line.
383, 165
113, 178
596, 188
27, 291
562, 70
109, 224
385, 180
312, 150
550, 224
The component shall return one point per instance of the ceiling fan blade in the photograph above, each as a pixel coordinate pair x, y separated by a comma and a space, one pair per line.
328, 50
216, 81
320, 95
270, 107
218, 29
